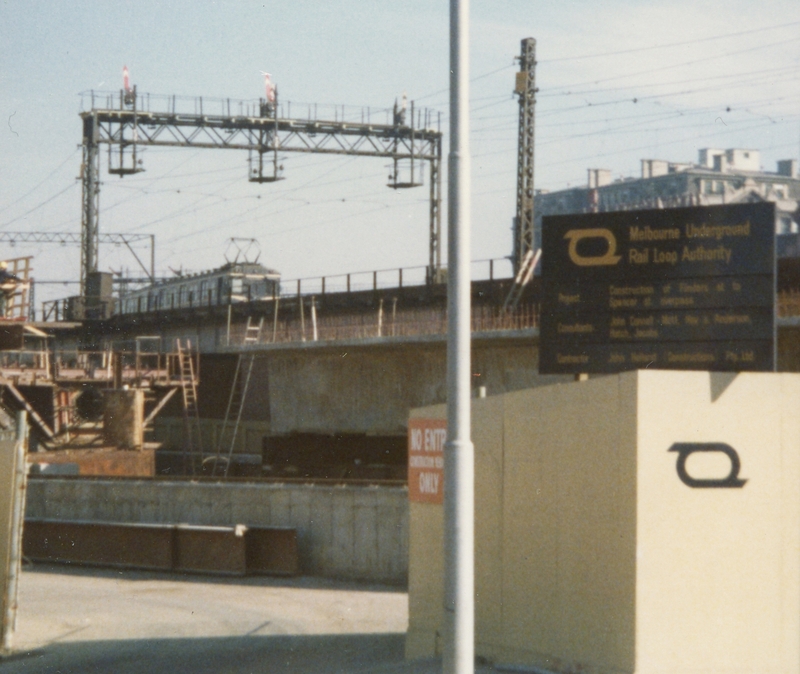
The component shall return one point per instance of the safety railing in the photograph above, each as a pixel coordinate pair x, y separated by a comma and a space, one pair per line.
71, 308
381, 279
24, 359
133, 367
232, 107
388, 320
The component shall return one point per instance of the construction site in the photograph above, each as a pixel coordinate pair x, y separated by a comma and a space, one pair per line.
237, 374
233, 421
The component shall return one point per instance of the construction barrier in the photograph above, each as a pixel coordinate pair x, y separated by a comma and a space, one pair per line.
236, 550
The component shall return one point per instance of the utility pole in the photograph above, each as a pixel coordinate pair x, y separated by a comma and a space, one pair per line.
459, 453
525, 89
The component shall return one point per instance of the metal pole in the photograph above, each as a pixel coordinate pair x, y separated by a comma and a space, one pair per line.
275, 319
17, 516
90, 171
314, 317
459, 510
302, 319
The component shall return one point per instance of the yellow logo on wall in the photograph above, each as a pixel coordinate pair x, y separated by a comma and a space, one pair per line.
608, 258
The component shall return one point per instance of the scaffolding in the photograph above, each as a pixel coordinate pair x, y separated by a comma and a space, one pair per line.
16, 289
192, 440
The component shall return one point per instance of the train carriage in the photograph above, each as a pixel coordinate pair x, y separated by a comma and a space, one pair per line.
231, 283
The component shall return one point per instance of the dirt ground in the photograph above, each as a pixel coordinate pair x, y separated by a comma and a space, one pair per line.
98, 621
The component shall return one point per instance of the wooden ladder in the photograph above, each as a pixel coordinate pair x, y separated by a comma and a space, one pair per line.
252, 332
192, 443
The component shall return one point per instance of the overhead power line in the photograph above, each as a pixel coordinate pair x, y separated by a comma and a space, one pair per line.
737, 77
670, 44
667, 142
650, 71
38, 206
38, 185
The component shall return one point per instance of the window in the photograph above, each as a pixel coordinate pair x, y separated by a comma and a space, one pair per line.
713, 187
203, 296
786, 225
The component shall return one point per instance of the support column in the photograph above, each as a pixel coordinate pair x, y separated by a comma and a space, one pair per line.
459, 459
90, 215
435, 248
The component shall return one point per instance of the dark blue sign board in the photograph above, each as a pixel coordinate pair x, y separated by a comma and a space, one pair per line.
682, 288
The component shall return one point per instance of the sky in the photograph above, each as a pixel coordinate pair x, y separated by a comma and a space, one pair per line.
619, 81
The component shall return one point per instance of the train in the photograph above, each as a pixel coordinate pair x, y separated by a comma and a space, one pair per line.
231, 283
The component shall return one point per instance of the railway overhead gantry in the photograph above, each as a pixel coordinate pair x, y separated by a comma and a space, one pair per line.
129, 120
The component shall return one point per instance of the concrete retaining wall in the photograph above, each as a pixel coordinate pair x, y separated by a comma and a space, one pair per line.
359, 533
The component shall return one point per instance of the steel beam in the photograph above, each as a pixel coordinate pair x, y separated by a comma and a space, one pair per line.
69, 237
435, 217
65, 238
118, 127
90, 175
129, 127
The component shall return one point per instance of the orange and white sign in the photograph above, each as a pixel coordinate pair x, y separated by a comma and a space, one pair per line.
426, 438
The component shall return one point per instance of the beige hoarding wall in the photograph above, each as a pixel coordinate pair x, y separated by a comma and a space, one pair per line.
569, 526
487, 433
426, 540
594, 553
718, 569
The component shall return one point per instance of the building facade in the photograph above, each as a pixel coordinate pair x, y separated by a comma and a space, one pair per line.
719, 177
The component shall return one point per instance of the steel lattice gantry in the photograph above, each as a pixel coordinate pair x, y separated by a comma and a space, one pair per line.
66, 238
126, 128
526, 90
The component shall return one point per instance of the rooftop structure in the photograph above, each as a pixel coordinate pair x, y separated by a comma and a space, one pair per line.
719, 177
